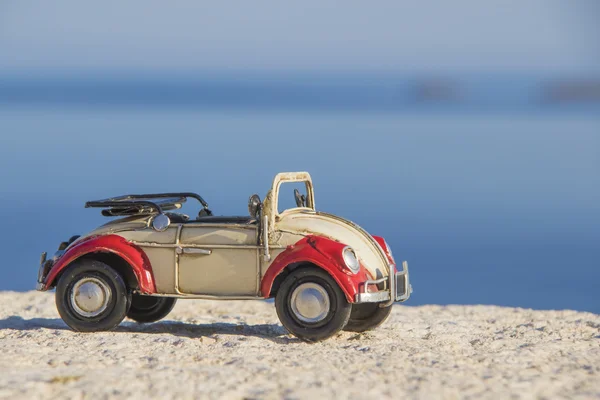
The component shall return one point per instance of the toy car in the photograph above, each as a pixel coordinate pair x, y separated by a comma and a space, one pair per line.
325, 272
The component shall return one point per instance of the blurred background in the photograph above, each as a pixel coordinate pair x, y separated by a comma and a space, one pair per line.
465, 133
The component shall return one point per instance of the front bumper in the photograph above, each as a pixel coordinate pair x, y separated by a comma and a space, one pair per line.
397, 288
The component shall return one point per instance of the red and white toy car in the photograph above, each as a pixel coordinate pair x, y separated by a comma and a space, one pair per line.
325, 272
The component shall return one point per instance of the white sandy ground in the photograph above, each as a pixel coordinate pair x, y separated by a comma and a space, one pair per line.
234, 349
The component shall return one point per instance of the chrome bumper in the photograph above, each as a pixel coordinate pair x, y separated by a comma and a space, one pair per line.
398, 288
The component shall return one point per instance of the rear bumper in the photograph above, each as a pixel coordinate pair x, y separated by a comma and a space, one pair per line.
43, 270
398, 288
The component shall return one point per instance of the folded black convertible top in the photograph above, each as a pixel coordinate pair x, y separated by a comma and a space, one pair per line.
143, 204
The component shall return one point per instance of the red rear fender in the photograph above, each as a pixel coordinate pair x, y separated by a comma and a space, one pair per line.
114, 244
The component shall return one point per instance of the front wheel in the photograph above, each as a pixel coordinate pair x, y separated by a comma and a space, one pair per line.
311, 305
367, 316
91, 296
150, 309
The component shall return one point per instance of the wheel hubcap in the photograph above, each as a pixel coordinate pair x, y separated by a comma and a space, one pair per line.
310, 302
90, 297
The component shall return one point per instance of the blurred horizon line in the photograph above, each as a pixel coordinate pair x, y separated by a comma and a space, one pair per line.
366, 91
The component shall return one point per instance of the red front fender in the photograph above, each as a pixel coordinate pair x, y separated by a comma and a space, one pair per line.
115, 244
322, 252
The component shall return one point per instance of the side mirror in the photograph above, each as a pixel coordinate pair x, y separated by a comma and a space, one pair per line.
254, 205
161, 222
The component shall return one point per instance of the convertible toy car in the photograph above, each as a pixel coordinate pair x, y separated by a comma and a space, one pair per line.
325, 273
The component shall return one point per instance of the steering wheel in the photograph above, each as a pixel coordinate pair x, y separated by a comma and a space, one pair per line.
300, 198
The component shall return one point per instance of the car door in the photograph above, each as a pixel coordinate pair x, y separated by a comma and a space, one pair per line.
218, 259
159, 248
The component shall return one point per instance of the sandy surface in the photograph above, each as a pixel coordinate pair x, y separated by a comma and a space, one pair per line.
238, 349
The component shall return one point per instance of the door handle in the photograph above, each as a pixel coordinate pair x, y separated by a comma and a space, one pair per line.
192, 250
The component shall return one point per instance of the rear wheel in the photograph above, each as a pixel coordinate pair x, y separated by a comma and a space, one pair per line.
311, 305
149, 308
91, 296
367, 316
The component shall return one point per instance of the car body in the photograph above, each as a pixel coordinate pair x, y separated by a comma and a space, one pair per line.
162, 254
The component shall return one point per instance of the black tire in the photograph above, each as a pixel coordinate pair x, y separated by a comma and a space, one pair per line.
365, 317
149, 308
334, 317
111, 288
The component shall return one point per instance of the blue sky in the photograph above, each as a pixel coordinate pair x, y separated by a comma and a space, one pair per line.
387, 35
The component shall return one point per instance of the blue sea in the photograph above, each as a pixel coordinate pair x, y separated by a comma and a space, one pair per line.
489, 190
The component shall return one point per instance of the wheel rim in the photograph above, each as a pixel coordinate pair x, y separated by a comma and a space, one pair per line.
90, 297
310, 302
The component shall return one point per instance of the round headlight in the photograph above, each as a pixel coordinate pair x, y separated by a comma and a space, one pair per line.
350, 259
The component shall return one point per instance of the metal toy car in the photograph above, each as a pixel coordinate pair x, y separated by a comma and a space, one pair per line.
325, 272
